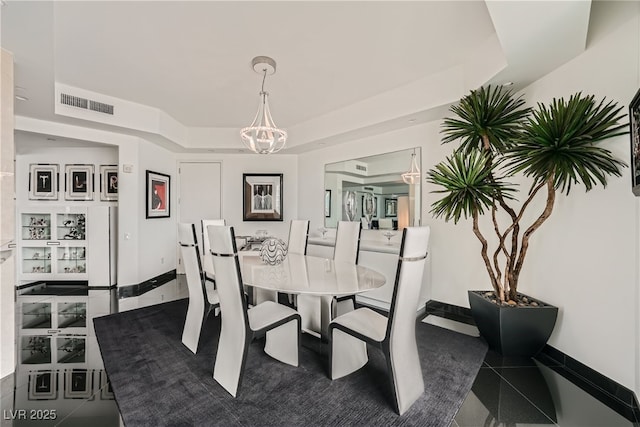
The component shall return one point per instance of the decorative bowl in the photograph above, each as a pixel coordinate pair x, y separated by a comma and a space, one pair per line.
273, 251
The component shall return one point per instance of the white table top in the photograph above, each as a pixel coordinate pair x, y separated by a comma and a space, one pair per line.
304, 274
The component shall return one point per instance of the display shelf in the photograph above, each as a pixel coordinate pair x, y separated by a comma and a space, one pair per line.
36, 315
54, 244
35, 349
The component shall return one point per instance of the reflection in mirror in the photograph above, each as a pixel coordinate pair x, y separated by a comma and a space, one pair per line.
370, 189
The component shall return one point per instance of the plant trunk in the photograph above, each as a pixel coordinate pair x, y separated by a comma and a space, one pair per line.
551, 197
497, 287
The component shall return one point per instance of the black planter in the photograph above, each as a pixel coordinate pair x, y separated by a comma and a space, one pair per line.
513, 331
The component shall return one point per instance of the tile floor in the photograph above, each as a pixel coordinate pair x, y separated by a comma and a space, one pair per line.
506, 393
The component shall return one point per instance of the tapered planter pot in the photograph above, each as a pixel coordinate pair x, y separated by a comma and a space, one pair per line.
513, 331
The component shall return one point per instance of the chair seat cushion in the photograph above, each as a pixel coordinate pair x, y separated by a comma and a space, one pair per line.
212, 294
365, 322
267, 313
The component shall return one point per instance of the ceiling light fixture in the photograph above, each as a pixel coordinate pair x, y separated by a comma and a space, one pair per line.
412, 176
263, 136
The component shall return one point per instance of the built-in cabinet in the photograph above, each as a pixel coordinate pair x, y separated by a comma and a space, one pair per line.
53, 330
67, 243
53, 244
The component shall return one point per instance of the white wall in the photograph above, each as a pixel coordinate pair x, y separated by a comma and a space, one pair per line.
584, 259
233, 166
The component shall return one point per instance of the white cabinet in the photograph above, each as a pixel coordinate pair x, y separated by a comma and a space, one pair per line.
52, 330
53, 244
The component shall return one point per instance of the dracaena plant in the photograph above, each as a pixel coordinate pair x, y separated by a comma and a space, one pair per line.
555, 146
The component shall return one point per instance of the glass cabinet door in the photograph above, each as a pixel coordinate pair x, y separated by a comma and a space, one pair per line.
71, 259
36, 259
71, 226
36, 226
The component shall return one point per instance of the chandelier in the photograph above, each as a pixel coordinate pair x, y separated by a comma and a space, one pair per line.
412, 176
263, 136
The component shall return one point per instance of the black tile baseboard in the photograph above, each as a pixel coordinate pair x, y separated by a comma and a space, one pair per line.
143, 287
609, 392
449, 311
616, 396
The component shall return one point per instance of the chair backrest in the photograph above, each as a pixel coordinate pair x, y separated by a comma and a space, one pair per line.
191, 259
207, 262
406, 290
347, 241
233, 306
385, 224
298, 234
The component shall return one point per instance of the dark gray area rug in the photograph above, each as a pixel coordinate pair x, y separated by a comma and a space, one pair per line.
159, 382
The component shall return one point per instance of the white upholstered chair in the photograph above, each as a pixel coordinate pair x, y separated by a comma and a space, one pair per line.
297, 243
347, 249
201, 300
394, 335
385, 224
207, 261
240, 324
316, 311
298, 235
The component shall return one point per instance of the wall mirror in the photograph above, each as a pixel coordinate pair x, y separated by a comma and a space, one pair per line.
370, 189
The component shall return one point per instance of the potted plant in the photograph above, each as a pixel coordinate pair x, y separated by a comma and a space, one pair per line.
554, 146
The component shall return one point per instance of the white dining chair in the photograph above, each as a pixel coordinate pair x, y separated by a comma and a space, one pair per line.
207, 261
317, 311
385, 224
201, 300
297, 244
239, 324
346, 249
395, 335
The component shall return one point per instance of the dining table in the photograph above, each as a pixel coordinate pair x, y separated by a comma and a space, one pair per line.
318, 277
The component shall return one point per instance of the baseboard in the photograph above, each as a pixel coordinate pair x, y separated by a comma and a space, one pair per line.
614, 395
136, 290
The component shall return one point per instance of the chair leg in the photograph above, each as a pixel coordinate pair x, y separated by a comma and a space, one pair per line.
193, 324
283, 342
406, 376
230, 359
347, 353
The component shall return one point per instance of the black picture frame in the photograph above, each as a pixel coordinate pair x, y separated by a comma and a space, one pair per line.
78, 384
78, 182
327, 203
391, 207
43, 385
158, 195
43, 181
634, 124
262, 197
108, 183
375, 206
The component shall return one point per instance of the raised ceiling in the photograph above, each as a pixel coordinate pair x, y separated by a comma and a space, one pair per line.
345, 69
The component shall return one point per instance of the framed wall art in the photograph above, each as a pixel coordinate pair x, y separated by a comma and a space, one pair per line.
634, 123
390, 207
78, 182
108, 182
78, 384
327, 203
43, 385
158, 195
43, 181
262, 197
369, 205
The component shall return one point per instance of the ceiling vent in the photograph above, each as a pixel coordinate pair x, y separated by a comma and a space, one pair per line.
76, 101
361, 168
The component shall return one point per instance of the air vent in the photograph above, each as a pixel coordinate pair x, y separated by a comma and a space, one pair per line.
361, 168
368, 188
76, 101
73, 101
101, 107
